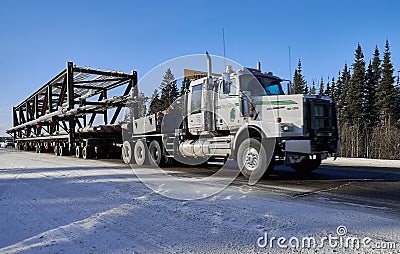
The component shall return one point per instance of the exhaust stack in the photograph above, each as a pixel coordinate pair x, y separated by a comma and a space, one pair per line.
208, 92
259, 66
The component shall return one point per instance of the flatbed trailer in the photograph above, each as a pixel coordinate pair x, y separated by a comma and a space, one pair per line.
74, 114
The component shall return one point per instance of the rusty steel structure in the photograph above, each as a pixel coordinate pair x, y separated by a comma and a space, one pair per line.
61, 115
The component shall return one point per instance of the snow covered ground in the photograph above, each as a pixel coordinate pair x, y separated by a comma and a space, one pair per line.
362, 162
54, 204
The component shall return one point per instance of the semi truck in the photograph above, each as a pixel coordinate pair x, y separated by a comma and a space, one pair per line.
241, 115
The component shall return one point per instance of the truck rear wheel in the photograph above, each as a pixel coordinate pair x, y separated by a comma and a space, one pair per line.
140, 152
252, 157
127, 152
307, 165
155, 154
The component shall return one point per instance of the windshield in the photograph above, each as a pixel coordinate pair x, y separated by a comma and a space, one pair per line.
260, 85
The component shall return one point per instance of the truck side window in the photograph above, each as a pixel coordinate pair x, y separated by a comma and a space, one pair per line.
233, 89
196, 99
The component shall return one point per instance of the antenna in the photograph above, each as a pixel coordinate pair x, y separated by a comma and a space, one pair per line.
290, 65
223, 42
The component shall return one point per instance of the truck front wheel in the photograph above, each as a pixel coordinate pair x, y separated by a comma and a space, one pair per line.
252, 157
307, 165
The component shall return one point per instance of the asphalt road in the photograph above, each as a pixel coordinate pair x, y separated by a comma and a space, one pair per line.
366, 186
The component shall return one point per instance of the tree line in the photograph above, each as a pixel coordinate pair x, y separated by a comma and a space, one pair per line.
367, 97
169, 92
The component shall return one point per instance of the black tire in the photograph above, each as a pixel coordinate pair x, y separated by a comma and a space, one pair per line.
307, 165
88, 152
63, 151
78, 152
57, 150
156, 155
252, 158
100, 153
141, 153
127, 152
40, 149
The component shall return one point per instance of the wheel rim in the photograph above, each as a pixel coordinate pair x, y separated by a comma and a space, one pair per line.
139, 152
251, 158
155, 154
126, 153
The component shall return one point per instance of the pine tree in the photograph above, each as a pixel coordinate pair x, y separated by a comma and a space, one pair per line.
321, 87
355, 90
333, 90
328, 90
386, 89
185, 86
343, 84
169, 89
376, 79
370, 113
299, 83
313, 90
155, 103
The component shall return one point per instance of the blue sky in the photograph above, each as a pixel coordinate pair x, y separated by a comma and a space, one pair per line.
39, 37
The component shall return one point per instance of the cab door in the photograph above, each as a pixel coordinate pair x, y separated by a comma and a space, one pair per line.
228, 114
195, 112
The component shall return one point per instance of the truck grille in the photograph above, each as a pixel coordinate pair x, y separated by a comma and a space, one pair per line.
321, 124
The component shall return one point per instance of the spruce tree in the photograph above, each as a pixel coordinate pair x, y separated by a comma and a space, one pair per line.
155, 103
313, 90
386, 89
370, 113
375, 79
299, 83
333, 90
328, 90
185, 86
342, 91
169, 89
355, 90
321, 87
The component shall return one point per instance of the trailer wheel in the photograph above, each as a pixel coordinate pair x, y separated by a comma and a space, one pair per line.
127, 152
156, 156
63, 151
307, 165
88, 152
78, 152
140, 153
57, 150
252, 157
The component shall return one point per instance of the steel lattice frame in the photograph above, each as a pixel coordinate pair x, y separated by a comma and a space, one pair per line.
70, 102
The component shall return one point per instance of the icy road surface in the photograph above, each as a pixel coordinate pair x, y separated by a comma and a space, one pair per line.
52, 204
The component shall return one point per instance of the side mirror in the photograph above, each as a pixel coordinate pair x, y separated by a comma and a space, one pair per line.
226, 87
289, 88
